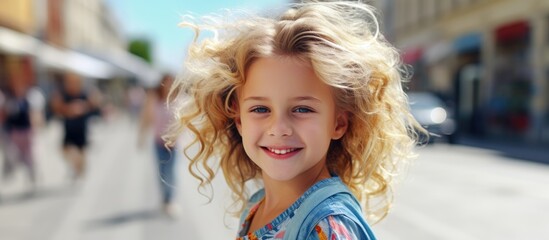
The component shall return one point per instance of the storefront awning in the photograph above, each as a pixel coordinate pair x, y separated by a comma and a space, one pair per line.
70, 60
469, 42
515, 31
16, 43
117, 63
437, 51
412, 55
133, 66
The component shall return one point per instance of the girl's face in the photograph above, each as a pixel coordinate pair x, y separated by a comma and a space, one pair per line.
287, 117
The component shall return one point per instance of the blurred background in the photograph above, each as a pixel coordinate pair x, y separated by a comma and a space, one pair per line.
480, 85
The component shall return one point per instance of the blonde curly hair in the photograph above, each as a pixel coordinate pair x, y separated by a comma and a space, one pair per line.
342, 43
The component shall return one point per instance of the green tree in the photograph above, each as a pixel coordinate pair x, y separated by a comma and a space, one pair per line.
141, 48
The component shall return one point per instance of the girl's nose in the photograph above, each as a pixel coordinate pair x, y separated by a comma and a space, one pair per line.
280, 126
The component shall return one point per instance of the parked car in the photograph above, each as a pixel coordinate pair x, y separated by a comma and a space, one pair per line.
431, 112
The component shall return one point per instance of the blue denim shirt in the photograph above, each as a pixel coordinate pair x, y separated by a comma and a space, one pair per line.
316, 213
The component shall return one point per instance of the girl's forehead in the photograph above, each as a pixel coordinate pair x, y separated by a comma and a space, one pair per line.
282, 76
279, 66
273, 59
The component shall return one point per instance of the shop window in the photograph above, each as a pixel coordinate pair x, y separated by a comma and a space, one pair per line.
512, 88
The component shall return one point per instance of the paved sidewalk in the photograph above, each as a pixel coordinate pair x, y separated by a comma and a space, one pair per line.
510, 149
464, 193
118, 199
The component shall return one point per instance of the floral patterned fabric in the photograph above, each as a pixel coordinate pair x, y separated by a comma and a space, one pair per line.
332, 227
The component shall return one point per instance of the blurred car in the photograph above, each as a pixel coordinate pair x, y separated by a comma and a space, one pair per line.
431, 112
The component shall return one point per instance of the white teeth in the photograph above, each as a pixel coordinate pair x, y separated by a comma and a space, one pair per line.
281, 151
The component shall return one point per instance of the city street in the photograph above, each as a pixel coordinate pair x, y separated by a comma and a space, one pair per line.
449, 192
457, 192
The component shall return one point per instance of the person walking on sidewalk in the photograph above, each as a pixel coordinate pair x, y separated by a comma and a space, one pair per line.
75, 105
311, 105
21, 113
155, 113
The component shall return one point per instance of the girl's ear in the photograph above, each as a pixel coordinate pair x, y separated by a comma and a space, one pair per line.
342, 122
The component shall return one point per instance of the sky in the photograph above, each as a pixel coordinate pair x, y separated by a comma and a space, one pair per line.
157, 20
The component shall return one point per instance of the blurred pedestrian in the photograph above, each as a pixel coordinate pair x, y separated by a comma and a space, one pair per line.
75, 105
135, 98
311, 105
21, 112
155, 114
3, 137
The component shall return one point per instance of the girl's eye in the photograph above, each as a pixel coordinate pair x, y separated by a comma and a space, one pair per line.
302, 110
260, 110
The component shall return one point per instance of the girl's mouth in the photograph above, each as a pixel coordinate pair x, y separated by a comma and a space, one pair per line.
281, 153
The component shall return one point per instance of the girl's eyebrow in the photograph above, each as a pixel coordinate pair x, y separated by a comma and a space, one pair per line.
254, 98
307, 98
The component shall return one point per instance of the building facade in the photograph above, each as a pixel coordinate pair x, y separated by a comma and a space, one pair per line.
17, 22
90, 26
18, 15
488, 58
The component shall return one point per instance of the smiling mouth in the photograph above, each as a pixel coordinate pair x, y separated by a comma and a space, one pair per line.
281, 151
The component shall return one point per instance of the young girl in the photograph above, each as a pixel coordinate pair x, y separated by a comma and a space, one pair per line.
312, 104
